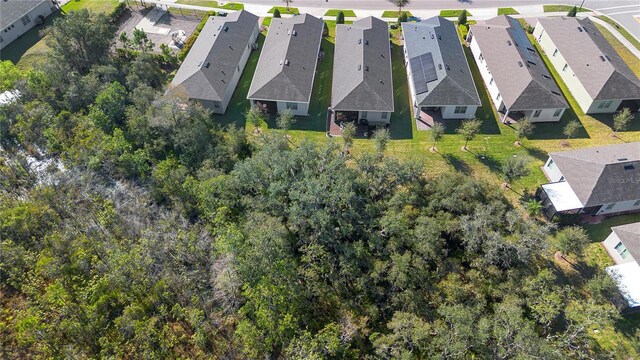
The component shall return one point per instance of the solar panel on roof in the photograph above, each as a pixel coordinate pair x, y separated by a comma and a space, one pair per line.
424, 71
428, 67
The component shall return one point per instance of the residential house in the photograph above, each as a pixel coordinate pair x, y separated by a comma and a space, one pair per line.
18, 16
287, 65
600, 180
362, 80
623, 246
210, 72
598, 78
518, 81
440, 80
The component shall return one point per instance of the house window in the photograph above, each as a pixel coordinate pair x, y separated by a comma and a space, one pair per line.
605, 104
292, 106
557, 112
637, 203
536, 113
26, 19
565, 67
491, 81
622, 250
610, 206
384, 115
460, 110
216, 105
555, 52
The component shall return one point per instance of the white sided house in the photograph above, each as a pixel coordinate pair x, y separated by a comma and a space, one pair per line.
18, 16
623, 246
286, 69
518, 81
211, 71
598, 78
440, 80
362, 82
602, 180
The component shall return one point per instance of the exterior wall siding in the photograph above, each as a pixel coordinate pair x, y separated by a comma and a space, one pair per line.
16, 29
545, 115
551, 171
619, 207
375, 118
610, 244
578, 91
303, 108
448, 112
486, 75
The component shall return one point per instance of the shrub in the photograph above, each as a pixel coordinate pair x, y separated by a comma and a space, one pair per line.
572, 12
403, 18
340, 18
276, 13
462, 19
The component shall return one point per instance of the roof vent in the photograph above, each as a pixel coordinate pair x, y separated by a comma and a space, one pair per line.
294, 33
366, 42
607, 56
520, 63
579, 29
531, 62
439, 66
546, 76
359, 41
286, 62
432, 36
226, 28
359, 67
207, 65
509, 42
555, 92
602, 58
448, 68
628, 167
623, 159
280, 62
366, 68
439, 37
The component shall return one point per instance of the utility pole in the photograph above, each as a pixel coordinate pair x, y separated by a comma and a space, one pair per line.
582, 3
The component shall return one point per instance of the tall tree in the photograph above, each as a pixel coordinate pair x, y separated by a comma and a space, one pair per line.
287, 3
437, 132
573, 12
462, 18
285, 119
255, 117
571, 241
81, 39
571, 129
524, 128
400, 4
621, 120
381, 138
469, 129
348, 133
340, 18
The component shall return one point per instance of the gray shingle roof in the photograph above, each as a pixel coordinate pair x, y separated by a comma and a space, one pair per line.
630, 236
362, 77
603, 174
207, 70
595, 62
455, 85
288, 60
518, 71
12, 10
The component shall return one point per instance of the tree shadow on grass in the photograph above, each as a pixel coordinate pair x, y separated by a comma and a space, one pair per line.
490, 162
607, 119
457, 163
554, 130
537, 153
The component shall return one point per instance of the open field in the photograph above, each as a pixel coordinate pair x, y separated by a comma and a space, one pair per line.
212, 3
452, 13
334, 12
284, 10
562, 8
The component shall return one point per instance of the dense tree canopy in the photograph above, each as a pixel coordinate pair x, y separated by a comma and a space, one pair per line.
132, 223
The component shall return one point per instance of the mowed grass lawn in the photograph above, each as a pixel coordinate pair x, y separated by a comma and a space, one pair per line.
562, 8
28, 51
395, 14
213, 4
334, 12
284, 10
453, 13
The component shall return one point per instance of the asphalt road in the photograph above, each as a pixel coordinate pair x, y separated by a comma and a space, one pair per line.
626, 12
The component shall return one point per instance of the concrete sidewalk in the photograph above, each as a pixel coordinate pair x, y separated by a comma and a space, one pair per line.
617, 34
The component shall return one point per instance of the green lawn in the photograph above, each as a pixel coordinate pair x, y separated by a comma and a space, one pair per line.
267, 21
213, 4
105, 6
562, 8
453, 13
394, 14
28, 50
621, 30
283, 10
507, 11
334, 12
